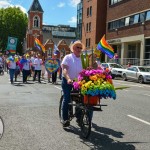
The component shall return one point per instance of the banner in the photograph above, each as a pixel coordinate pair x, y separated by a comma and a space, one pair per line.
52, 65
12, 44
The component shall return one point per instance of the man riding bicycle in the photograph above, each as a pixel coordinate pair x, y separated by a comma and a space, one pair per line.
71, 67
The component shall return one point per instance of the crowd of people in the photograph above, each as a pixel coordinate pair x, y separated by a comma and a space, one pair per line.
28, 66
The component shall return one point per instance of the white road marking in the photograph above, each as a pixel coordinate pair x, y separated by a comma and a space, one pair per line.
58, 87
131, 84
146, 94
148, 123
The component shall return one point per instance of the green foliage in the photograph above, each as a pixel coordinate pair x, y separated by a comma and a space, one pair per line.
85, 61
13, 22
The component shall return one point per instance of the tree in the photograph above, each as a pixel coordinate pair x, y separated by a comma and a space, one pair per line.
13, 22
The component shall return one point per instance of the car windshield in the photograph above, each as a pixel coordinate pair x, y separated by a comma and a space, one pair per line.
142, 69
115, 66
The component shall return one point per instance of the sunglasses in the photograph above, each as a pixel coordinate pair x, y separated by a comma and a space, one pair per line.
79, 47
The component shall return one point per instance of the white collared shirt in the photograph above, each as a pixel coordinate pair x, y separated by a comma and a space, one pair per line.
37, 63
74, 65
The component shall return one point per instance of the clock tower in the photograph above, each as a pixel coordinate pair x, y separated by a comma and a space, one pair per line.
35, 22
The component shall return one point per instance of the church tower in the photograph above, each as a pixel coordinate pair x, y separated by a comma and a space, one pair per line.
35, 22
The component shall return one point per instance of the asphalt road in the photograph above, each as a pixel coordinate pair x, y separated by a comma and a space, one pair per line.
31, 122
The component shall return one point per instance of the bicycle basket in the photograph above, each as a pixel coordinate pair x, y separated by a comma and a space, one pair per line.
91, 100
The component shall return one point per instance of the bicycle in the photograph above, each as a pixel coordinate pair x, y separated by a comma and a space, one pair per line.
77, 101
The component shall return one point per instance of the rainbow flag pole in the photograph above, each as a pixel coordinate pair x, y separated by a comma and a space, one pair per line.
39, 45
105, 47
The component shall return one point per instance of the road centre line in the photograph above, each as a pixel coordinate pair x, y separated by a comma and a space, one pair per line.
146, 94
148, 123
130, 85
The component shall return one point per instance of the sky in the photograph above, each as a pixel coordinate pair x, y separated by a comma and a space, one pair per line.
56, 12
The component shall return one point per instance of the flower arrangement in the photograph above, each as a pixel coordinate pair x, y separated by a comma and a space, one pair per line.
94, 82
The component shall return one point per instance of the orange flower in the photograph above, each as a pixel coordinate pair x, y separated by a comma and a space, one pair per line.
93, 77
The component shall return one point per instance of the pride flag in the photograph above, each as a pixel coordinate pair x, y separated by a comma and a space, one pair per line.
12, 52
39, 45
105, 47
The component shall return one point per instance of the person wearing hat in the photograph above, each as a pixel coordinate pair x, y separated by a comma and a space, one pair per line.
71, 67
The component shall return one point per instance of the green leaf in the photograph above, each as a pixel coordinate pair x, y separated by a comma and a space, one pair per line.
83, 62
87, 60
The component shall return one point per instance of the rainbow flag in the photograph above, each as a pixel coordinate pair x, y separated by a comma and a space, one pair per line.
12, 51
39, 45
105, 47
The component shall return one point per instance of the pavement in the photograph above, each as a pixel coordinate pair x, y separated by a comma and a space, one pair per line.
31, 120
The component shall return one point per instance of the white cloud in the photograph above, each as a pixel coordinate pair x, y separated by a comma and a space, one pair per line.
4, 3
61, 4
74, 3
22, 8
73, 20
7, 3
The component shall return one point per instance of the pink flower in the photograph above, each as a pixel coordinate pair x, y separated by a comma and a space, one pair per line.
76, 85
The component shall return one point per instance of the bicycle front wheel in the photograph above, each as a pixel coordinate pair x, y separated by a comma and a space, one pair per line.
85, 123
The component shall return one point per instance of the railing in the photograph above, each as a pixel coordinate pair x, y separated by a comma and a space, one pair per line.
133, 61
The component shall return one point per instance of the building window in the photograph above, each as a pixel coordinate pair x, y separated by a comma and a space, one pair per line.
147, 49
111, 2
136, 18
127, 21
87, 12
89, 26
90, 13
132, 51
131, 20
148, 15
122, 22
36, 22
88, 42
142, 17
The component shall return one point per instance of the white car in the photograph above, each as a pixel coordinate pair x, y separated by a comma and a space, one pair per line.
115, 69
138, 73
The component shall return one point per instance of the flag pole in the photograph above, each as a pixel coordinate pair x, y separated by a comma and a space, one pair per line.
92, 57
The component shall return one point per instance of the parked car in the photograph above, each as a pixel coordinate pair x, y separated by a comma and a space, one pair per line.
139, 73
115, 69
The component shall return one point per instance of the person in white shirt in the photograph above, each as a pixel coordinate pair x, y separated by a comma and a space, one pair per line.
32, 64
26, 68
37, 64
71, 67
12, 67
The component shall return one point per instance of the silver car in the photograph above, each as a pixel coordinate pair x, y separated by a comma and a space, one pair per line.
138, 73
115, 69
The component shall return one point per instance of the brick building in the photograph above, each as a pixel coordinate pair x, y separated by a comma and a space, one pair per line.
49, 35
128, 30
93, 22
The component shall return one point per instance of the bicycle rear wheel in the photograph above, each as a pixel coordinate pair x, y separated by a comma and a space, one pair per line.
85, 123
